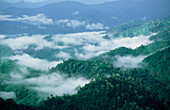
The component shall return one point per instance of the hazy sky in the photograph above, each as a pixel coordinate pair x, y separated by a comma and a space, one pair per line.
83, 1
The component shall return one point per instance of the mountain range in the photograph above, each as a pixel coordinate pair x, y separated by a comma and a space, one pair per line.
71, 16
132, 73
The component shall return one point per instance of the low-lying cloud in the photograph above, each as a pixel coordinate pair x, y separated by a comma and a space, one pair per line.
128, 61
38, 64
39, 19
24, 42
105, 45
71, 23
54, 83
77, 45
74, 23
76, 13
63, 55
97, 26
7, 95
2, 36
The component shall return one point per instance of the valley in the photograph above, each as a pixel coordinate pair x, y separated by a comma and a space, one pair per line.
64, 62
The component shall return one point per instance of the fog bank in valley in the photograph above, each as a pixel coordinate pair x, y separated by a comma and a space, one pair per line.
128, 61
61, 47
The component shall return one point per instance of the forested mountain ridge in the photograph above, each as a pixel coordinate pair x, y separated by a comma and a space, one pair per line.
158, 65
140, 27
155, 65
89, 69
110, 93
136, 28
142, 50
6, 66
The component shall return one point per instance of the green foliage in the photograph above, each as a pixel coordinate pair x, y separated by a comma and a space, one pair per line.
87, 69
45, 53
10, 104
162, 35
139, 27
152, 48
33, 73
122, 51
7, 67
158, 65
28, 97
23, 94
111, 94
142, 50
5, 51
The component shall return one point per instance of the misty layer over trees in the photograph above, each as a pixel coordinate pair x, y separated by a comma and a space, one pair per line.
120, 67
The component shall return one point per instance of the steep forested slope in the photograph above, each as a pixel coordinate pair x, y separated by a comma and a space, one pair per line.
88, 69
142, 50
158, 65
162, 35
6, 65
112, 93
10, 104
138, 27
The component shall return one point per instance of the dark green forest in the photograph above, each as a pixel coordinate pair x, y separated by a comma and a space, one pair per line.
110, 88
